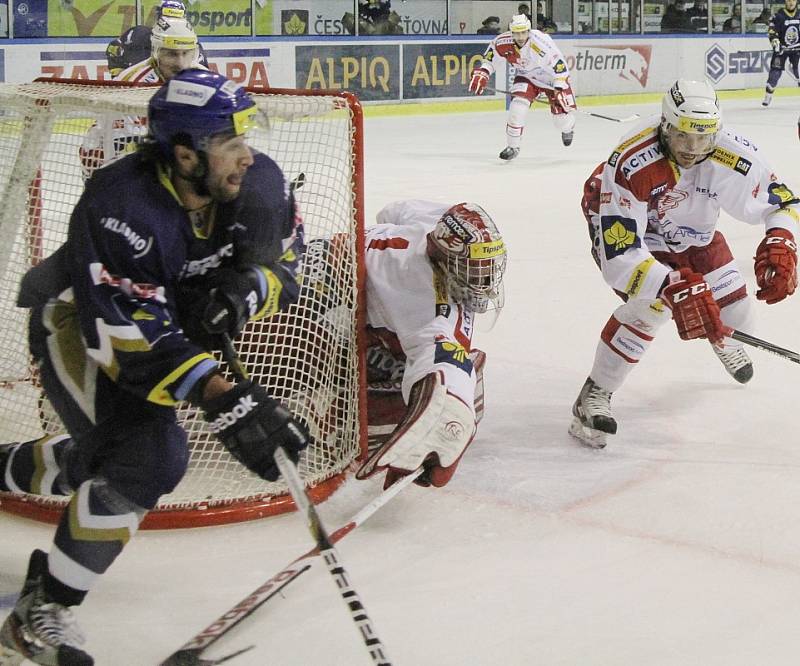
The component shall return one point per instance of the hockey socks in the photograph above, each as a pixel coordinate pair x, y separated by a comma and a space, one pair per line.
34, 467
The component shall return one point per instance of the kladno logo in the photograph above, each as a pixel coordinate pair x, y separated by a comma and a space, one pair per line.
716, 63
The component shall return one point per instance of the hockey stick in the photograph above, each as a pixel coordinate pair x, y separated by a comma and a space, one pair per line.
764, 345
330, 555
626, 119
190, 653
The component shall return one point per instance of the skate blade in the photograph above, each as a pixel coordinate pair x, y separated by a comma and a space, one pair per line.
595, 439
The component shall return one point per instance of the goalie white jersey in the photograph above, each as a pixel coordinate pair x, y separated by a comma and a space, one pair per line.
407, 301
539, 60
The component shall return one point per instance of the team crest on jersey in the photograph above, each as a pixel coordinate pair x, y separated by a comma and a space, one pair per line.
560, 67
780, 195
447, 351
619, 235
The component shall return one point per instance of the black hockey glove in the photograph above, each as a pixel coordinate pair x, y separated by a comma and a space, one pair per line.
252, 425
234, 299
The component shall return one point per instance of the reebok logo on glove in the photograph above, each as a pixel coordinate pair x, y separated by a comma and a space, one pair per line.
242, 408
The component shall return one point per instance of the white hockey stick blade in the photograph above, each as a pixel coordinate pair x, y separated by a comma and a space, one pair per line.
190, 654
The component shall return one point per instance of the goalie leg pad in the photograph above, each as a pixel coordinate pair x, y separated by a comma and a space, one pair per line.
435, 433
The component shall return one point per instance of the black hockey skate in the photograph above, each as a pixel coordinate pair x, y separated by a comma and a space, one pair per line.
593, 420
509, 153
736, 362
566, 137
39, 629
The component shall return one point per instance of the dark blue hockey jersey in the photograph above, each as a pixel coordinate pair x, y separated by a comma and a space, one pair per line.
785, 27
133, 251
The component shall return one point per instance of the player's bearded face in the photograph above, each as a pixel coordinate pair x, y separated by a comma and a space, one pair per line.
228, 161
520, 37
172, 62
686, 148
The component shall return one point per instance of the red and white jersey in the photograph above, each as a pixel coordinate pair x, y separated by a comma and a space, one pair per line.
639, 202
539, 60
141, 72
146, 72
408, 300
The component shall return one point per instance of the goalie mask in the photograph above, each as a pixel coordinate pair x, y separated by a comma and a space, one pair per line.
690, 121
466, 245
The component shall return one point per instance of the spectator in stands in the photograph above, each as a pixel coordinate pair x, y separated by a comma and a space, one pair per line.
734, 22
675, 19
490, 26
524, 9
543, 23
698, 14
761, 22
375, 17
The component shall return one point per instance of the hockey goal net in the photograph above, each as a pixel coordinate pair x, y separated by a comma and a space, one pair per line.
312, 363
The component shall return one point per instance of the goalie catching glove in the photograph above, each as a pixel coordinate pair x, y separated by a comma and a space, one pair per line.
776, 266
694, 309
252, 425
436, 431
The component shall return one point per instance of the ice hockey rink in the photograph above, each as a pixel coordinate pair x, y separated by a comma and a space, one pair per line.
679, 544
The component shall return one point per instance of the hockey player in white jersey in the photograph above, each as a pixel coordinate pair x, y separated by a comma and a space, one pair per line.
652, 210
174, 48
430, 269
539, 68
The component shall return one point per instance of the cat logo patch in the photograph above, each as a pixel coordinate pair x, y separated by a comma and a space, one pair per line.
560, 67
619, 235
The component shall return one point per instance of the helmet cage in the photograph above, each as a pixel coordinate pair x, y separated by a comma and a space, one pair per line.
468, 248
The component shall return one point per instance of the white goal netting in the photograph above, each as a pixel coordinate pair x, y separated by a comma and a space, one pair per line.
311, 364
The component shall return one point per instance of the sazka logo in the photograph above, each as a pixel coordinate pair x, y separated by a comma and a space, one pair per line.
716, 63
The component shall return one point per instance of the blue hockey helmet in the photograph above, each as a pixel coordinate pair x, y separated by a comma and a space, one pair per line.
200, 104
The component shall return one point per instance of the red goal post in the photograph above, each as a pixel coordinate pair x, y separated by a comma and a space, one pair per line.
314, 363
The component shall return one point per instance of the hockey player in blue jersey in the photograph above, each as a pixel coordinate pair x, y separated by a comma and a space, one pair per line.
196, 215
784, 37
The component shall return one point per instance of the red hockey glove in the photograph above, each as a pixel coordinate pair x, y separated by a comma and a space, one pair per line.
694, 309
776, 266
565, 99
480, 77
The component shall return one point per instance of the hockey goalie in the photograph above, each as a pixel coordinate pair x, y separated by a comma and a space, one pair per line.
431, 268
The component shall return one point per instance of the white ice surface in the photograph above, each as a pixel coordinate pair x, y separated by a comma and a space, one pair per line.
679, 544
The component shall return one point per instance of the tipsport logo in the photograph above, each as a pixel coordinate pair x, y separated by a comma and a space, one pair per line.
720, 63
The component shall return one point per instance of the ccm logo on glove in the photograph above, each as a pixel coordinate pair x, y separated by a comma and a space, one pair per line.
694, 290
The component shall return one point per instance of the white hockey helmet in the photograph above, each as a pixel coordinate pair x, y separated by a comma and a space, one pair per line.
519, 23
692, 107
690, 120
467, 246
176, 34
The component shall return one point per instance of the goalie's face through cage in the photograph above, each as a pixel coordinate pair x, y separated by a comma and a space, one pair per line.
466, 245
